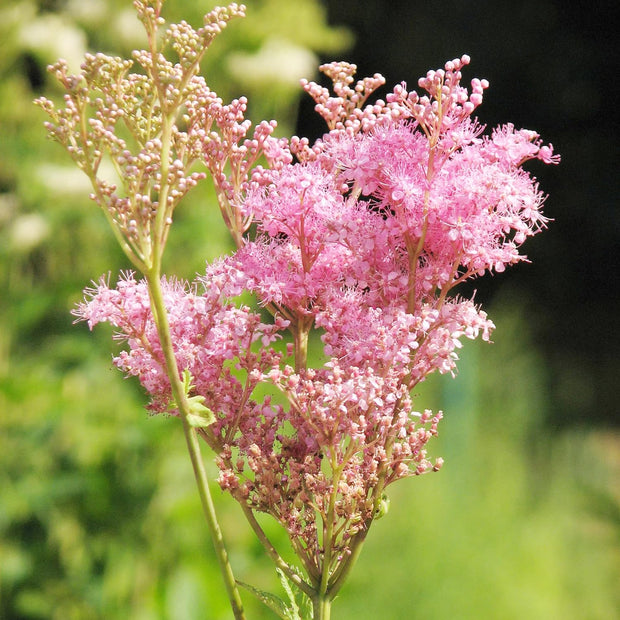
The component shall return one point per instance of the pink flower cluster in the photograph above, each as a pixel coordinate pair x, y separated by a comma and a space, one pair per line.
208, 332
363, 238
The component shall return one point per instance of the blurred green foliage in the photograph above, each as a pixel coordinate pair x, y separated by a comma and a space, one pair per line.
99, 517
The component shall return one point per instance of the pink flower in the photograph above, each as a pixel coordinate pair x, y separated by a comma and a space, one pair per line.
207, 332
364, 238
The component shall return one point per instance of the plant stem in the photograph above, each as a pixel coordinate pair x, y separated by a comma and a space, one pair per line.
193, 445
341, 574
321, 608
202, 482
273, 553
301, 330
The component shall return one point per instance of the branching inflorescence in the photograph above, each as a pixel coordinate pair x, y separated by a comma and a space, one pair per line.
362, 235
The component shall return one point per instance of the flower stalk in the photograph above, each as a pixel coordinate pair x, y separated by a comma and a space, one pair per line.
193, 446
321, 607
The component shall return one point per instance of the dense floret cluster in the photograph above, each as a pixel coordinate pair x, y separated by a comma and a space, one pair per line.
361, 236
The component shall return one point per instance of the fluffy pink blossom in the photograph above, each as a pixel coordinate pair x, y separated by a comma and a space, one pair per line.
207, 330
364, 238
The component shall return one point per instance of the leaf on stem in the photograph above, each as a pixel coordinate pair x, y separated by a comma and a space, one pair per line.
199, 415
275, 603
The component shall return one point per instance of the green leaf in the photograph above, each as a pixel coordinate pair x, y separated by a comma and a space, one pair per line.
196, 407
275, 603
199, 416
294, 608
197, 421
382, 506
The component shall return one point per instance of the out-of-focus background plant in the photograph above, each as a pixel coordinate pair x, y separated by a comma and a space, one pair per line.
99, 517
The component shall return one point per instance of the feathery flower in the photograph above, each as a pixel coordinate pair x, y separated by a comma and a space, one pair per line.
363, 236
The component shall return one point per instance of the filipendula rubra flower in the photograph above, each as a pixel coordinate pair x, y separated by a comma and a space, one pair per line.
362, 236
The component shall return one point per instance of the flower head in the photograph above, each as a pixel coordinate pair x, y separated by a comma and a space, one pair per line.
363, 235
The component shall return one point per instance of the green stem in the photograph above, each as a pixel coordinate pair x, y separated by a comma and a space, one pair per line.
193, 445
160, 314
321, 608
273, 553
341, 574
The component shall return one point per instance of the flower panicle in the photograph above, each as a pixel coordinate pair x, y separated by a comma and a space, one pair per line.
363, 235
122, 127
